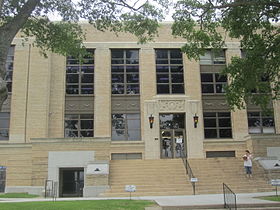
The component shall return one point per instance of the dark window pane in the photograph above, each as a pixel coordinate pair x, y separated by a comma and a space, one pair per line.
132, 61
72, 78
162, 78
72, 89
87, 78
162, 68
220, 78
254, 122
173, 61
71, 133
86, 89
132, 89
71, 124
175, 54
132, 68
268, 122
178, 88
132, 78
224, 123
86, 134
224, 114
177, 69
87, 69
207, 88
162, 61
4, 134
117, 78
117, 89
117, 53
225, 133
117, 61
132, 54
253, 114
206, 77
209, 114
210, 133
177, 78
220, 88
210, 123
86, 116
117, 68
86, 124
72, 69
161, 54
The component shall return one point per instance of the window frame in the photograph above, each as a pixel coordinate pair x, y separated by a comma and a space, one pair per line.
125, 62
170, 64
261, 118
9, 68
126, 128
78, 129
214, 83
86, 64
217, 127
213, 60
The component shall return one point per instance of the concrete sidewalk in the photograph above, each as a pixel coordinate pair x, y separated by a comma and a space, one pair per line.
188, 200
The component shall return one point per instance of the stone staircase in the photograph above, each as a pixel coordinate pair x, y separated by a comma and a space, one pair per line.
213, 172
151, 178
168, 177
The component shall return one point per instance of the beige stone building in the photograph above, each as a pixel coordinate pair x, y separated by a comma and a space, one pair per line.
65, 121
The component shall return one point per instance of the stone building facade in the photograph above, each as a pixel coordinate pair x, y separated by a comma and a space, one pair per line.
65, 120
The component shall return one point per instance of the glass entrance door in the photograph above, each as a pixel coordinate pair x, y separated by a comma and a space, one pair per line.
172, 143
72, 182
172, 135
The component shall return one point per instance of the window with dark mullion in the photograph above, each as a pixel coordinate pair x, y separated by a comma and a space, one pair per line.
125, 71
126, 127
259, 122
170, 72
78, 125
217, 125
213, 57
9, 68
80, 74
213, 83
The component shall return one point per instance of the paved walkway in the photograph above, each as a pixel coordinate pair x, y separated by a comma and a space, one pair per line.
188, 200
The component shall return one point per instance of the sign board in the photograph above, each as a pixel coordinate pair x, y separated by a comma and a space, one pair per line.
98, 169
194, 179
130, 188
275, 182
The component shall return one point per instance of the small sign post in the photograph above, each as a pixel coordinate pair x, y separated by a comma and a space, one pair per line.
130, 189
193, 181
276, 183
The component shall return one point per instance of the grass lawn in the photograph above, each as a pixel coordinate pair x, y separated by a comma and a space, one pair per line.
79, 205
17, 195
271, 198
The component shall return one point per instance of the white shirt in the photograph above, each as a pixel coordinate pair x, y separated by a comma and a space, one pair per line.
248, 162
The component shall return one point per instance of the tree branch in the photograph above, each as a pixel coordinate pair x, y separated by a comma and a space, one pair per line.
13, 26
246, 3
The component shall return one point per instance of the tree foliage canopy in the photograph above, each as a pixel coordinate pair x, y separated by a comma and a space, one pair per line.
256, 24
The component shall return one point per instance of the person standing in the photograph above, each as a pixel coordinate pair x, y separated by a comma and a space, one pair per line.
248, 163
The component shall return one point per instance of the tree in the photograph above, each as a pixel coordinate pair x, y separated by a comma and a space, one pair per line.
66, 37
254, 23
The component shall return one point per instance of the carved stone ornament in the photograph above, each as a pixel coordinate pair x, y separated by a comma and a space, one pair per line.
171, 105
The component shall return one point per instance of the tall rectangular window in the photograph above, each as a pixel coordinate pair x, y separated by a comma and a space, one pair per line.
125, 71
80, 74
170, 72
126, 127
217, 125
78, 125
10, 68
259, 122
213, 83
212, 57
4, 125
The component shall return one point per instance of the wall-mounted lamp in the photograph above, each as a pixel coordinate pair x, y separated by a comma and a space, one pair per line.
195, 120
151, 120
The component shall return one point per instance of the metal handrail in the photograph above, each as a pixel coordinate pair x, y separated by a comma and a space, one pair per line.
189, 171
229, 198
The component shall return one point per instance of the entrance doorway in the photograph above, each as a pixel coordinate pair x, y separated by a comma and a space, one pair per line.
71, 182
172, 135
